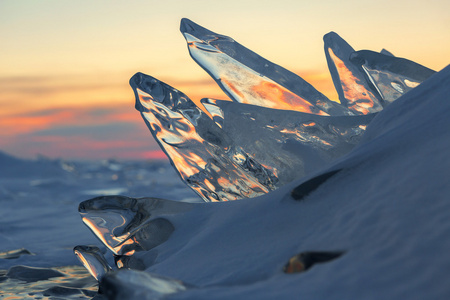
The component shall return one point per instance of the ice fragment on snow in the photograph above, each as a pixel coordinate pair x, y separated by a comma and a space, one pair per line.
126, 225
93, 260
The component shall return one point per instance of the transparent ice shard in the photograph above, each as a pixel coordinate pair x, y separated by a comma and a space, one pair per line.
391, 76
126, 225
292, 144
131, 284
203, 154
249, 78
93, 260
350, 82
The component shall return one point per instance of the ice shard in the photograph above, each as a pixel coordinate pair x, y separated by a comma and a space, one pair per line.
350, 82
391, 76
93, 260
291, 143
126, 225
249, 78
203, 154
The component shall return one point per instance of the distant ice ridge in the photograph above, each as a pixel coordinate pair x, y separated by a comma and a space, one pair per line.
278, 127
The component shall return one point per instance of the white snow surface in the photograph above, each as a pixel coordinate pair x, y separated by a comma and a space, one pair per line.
388, 209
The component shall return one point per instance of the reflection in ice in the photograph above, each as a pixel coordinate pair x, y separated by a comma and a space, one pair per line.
126, 225
353, 89
291, 144
391, 76
202, 153
247, 77
93, 260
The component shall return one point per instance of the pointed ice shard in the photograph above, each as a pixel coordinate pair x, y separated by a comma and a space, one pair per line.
353, 89
203, 154
93, 260
291, 143
391, 76
126, 225
247, 77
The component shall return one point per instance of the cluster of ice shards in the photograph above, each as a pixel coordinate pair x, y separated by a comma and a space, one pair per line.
367, 81
286, 130
276, 129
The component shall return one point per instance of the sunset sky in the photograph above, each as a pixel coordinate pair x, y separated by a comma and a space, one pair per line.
65, 65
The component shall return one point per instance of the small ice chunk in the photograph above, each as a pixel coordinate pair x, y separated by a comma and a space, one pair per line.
126, 225
12, 254
93, 260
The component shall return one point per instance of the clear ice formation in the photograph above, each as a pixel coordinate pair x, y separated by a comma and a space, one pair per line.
224, 162
367, 81
249, 78
295, 143
352, 87
93, 260
126, 225
204, 156
390, 76
291, 129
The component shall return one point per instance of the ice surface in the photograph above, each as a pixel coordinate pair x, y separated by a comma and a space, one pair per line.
350, 82
391, 76
249, 78
377, 229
